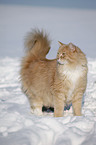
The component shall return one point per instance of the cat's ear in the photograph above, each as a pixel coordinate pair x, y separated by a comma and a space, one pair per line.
60, 43
72, 47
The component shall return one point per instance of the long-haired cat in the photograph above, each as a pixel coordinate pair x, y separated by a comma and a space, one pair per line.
53, 83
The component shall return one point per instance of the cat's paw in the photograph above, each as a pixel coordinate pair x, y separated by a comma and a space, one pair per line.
37, 112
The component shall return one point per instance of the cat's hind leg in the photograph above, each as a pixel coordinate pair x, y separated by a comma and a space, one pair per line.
36, 109
36, 105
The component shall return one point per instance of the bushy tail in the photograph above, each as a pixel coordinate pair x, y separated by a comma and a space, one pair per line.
37, 43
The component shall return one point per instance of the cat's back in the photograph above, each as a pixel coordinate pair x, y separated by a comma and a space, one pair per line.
43, 66
34, 70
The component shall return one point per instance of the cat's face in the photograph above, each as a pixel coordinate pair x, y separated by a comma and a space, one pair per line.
67, 54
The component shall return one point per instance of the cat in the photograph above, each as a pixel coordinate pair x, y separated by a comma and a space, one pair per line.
53, 83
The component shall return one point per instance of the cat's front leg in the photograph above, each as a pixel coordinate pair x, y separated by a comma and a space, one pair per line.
77, 105
58, 107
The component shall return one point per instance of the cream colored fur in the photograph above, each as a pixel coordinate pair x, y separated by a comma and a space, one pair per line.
53, 83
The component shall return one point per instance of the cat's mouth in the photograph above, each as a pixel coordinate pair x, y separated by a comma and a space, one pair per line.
61, 62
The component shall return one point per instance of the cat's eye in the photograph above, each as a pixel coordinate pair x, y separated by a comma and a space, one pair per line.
63, 53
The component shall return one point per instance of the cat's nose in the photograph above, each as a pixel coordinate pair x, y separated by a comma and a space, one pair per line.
61, 56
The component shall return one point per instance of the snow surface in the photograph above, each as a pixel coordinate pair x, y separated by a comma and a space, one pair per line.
19, 127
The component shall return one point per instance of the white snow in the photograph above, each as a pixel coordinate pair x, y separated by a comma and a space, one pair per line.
17, 125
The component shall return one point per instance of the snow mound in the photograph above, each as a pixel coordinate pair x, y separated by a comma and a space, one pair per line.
19, 127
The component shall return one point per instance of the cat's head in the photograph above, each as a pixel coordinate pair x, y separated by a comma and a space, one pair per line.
67, 53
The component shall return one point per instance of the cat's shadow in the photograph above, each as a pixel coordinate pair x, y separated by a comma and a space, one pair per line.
51, 109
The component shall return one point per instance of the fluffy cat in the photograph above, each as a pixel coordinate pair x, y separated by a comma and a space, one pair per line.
53, 83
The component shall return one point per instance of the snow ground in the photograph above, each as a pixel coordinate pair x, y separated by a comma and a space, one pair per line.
19, 127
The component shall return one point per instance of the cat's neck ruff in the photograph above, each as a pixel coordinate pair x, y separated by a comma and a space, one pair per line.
72, 73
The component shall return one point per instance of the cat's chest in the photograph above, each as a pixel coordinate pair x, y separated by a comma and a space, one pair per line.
72, 75
72, 78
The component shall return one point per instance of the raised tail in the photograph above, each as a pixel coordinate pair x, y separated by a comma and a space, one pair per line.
37, 43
